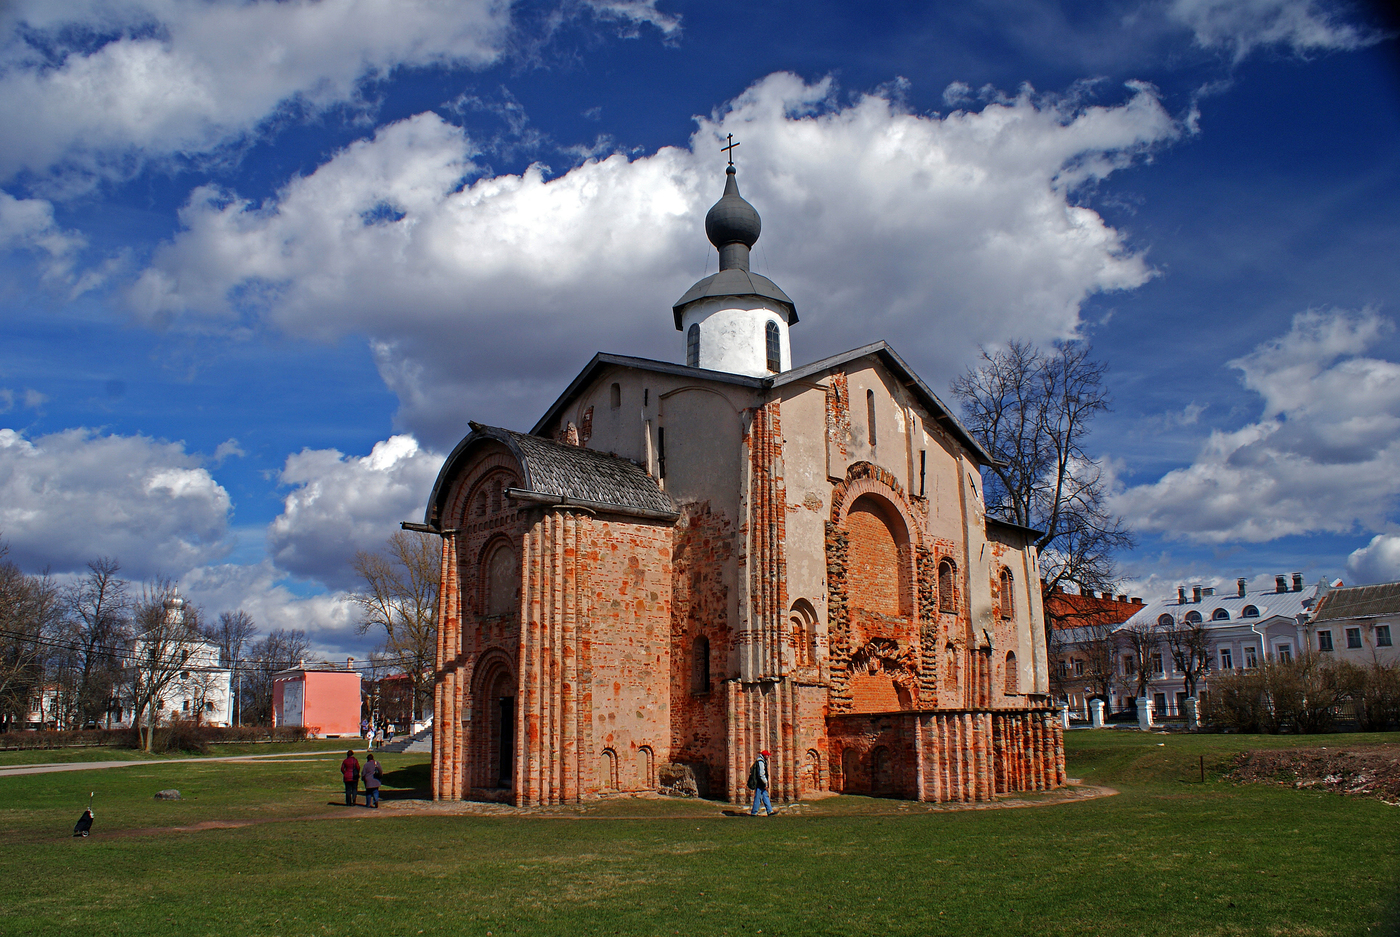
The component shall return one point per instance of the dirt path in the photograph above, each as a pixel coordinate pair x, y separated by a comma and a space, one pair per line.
9, 770
421, 808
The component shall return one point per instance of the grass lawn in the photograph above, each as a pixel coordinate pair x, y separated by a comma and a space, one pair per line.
1169, 855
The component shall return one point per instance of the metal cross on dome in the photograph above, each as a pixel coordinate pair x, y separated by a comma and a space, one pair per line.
730, 148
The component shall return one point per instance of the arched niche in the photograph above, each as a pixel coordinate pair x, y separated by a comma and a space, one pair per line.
493, 743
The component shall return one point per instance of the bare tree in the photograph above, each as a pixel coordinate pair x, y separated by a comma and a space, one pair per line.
231, 633
1189, 645
167, 636
98, 616
30, 613
280, 650
400, 597
1032, 410
1142, 638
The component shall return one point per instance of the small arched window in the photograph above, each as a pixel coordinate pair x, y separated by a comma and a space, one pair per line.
1166, 621
1250, 611
1220, 615
609, 777
692, 345
770, 342
947, 598
870, 414
1193, 618
700, 666
1008, 596
1013, 676
615, 396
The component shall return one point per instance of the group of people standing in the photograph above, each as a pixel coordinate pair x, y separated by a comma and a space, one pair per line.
372, 775
375, 735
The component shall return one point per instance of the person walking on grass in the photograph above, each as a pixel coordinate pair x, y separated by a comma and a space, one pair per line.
372, 775
350, 773
758, 782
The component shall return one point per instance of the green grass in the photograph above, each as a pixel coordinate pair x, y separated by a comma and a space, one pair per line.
1170, 855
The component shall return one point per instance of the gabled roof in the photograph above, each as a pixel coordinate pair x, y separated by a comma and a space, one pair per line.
941, 412
558, 474
1030, 533
1360, 602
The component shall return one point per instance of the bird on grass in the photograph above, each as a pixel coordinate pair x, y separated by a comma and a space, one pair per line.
84, 824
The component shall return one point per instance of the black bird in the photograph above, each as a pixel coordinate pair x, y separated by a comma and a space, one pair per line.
84, 824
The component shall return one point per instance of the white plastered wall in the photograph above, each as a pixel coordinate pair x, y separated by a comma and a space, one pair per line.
732, 337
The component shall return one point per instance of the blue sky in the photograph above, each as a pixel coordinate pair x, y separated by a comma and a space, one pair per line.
262, 261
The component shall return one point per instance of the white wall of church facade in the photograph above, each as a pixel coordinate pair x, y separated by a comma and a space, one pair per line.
808, 491
732, 335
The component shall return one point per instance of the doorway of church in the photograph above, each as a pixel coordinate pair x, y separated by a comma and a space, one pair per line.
505, 740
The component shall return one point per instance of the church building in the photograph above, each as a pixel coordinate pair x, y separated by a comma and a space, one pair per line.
690, 564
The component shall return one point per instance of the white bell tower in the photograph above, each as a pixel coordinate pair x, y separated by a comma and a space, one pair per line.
735, 320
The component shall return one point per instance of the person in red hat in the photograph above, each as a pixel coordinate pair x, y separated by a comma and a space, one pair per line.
758, 783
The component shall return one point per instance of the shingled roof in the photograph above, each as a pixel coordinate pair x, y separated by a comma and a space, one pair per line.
559, 474
1360, 602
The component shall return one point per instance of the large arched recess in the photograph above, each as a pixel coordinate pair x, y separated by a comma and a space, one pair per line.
493, 743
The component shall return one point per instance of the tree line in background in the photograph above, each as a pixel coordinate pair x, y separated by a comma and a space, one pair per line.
101, 648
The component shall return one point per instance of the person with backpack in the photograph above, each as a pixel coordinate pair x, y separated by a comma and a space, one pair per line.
372, 775
758, 783
350, 773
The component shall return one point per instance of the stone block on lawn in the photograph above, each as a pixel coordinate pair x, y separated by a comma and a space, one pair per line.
168, 794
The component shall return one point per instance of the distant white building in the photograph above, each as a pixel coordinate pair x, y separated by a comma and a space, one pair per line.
1244, 628
201, 690
1357, 625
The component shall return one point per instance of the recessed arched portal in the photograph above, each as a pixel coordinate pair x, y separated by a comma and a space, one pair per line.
492, 746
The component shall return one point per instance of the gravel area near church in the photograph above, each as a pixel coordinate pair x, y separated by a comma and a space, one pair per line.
1369, 771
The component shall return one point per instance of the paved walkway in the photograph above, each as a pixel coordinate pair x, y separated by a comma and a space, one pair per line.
8, 770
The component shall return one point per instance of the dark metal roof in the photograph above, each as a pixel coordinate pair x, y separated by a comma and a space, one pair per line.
557, 473
936, 407
1359, 602
734, 282
1030, 532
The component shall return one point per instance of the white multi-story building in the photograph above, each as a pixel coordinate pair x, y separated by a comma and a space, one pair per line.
199, 691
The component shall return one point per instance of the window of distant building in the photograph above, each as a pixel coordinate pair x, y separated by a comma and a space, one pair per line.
1166, 621
1193, 618
1382, 636
1353, 637
1220, 614
1251, 658
1159, 703
1129, 665
1250, 611
1227, 662
1157, 664
1284, 652
1079, 668
1324, 640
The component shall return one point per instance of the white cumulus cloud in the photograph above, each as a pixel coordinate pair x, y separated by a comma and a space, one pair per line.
71, 496
477, 297
96, 86
1377, 561
28, 224
1239, 26
1320, 458
341, 504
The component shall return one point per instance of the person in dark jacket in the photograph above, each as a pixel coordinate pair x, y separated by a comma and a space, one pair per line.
372, 776
758, 777
350, 773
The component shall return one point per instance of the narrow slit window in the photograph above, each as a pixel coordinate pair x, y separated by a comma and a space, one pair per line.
870, 414
923, 462
692, 345
615, 396
661, 452
770, 340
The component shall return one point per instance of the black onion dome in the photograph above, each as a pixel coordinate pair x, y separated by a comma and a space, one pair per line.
732, 220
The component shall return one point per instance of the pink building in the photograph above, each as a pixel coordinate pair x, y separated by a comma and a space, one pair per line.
325, 700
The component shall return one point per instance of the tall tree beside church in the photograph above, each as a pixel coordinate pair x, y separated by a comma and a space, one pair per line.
98, 615
399, 600
167, 634
1032, 411
232, 633
30, 613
